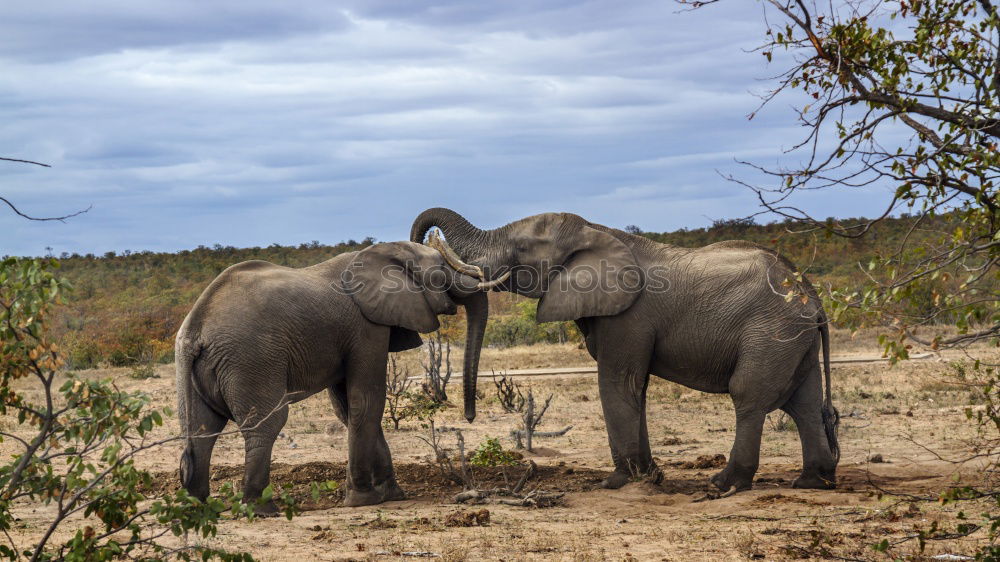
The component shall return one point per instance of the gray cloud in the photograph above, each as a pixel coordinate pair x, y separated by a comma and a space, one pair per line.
251, 123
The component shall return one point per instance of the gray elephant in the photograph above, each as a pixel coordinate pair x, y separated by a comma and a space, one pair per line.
262, 336
730, 317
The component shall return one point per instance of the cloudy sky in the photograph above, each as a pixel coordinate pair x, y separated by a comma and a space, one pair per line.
251, 122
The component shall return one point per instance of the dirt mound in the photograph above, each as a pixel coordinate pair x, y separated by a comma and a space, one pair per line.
468, 518
703, 461
423, 482
420, 481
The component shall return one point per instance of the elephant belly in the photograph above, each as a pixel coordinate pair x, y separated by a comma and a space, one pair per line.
319, 373
707, 370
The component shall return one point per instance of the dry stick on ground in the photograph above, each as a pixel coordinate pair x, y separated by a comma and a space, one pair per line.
438, 356
397, 385
509, 393
530, 421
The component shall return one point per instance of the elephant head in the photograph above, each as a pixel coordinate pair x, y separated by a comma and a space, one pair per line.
576, 268
405, 286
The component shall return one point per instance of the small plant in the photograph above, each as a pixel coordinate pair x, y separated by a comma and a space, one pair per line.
444, 462
509, 394
143, 371
437, 369
397, 386
530, 421
780, 421
421, 406
490, 453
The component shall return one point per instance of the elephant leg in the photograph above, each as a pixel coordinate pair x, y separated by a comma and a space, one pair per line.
203, 425
366, 400
622, 386
760, 383
819, 465
745, 455
338, 397
258, 444
256, 397
384, 477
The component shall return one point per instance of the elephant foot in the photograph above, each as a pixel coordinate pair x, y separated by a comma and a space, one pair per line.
816, 480
732, 480
619, 478
266, 509
615, 480
355, 498
391, 491
654, 475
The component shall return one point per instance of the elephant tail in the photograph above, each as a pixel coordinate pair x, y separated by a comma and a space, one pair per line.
186, 352
831, 417
193, 404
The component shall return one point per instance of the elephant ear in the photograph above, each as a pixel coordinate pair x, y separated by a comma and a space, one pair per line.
600, 278
401, 339
382, 287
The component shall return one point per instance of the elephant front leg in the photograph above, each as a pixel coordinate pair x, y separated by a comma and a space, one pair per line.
366, 461
384, 475
623, 399
384, 478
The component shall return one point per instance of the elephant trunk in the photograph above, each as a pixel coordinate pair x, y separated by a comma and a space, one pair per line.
476, 313
488, 249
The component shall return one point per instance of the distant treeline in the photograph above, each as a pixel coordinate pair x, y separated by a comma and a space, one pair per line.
126, 307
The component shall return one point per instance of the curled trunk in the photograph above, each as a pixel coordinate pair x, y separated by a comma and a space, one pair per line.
484, 248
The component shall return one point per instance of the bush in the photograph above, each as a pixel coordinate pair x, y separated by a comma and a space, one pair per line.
491, 453
522, 328
77, 446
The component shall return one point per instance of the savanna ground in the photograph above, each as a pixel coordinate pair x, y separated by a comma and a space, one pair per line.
911, 415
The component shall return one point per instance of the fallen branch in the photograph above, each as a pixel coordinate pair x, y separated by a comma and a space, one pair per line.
519, 434
532, 469
534, 499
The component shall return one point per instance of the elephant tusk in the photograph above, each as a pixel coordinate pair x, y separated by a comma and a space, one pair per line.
438, 243
487, 285
728, 493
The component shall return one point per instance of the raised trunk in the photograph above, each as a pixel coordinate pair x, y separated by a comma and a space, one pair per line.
476, 312
487, 249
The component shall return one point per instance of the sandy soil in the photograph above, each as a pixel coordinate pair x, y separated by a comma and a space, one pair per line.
909, 414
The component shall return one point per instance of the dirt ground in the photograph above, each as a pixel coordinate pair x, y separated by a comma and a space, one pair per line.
912, 416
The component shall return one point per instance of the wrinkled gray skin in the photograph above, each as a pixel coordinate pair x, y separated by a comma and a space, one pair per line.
714, 319
262, 335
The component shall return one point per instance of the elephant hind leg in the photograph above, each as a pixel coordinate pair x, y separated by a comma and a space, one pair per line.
805, 406
201, 426
762, 381
260, 410
745, 455
259, 435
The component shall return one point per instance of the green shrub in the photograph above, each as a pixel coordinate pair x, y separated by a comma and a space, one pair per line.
77, 447
491, 453
521, 328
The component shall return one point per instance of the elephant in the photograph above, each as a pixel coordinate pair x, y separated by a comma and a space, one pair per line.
262, 336
732, 317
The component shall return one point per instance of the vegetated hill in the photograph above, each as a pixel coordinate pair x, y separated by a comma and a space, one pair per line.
126, 308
